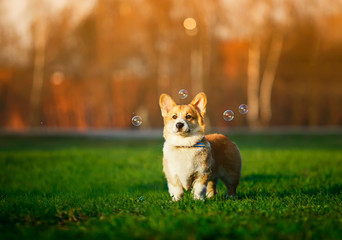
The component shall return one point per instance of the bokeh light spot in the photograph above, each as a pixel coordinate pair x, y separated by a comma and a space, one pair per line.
189, 23
57, 78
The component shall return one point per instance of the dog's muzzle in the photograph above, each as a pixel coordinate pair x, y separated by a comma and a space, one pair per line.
181, 128
179, 125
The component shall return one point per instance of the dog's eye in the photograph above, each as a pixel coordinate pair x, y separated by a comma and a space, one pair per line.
188, 116
174, 116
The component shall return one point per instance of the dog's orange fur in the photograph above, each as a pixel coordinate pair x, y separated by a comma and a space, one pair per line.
226, 158
185, 110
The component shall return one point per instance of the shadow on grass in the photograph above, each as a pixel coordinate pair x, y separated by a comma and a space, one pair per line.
156, 186
333, 190
336, 189
93, 191
265, 177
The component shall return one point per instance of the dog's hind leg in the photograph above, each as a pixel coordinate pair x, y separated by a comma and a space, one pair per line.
231, 184
211, 188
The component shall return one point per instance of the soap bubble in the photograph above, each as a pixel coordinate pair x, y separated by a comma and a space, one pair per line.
136, 121
243, 109
183, 93
228, 115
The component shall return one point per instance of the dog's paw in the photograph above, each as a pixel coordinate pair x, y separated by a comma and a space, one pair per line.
199, 198
176, 198
211, 194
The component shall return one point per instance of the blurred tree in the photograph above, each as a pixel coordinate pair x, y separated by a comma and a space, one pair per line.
39, 38
269, 77
268, 20
253, 82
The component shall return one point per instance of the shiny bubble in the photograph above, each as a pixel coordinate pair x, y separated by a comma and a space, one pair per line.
136, 121
183, 93
243, 109
228, 115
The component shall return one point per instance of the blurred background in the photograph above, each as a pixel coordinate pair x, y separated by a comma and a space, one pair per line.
94, 64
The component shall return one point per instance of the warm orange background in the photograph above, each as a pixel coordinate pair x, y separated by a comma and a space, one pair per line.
99, 64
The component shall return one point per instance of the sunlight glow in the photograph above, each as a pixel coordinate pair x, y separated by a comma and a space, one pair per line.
189, 23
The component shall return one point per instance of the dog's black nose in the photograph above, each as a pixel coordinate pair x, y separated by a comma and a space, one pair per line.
179, 125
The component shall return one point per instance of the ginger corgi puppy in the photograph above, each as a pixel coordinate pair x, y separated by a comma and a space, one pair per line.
193, 160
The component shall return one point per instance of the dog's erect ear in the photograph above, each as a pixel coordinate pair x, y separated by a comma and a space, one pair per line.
200, 103
166, 103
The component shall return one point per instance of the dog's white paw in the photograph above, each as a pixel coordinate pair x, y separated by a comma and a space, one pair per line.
176, 198
199, 191
201, 198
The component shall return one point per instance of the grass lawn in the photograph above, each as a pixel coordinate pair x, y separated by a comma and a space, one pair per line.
63, 188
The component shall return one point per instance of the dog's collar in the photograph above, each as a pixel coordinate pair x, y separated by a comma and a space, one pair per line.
198, 144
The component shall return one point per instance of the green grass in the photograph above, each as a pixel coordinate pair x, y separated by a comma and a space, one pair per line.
54, 188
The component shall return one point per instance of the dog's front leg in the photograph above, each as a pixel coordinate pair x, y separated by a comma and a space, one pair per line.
176, 191
174, 184
200, 188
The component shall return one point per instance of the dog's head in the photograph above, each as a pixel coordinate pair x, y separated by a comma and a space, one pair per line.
183, 121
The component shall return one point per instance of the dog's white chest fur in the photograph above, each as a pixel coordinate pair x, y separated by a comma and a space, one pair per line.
185, 162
